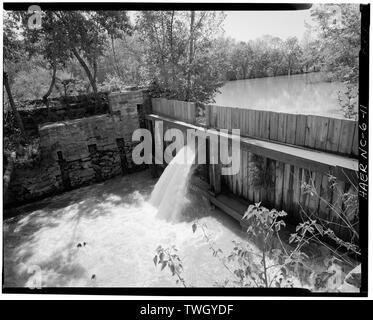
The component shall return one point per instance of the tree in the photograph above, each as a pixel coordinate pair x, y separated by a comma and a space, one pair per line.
293, 53
176, 45
276, 55
241, 58
338, 30
80, 34
11, 49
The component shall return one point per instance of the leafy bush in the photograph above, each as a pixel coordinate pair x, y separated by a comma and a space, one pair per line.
264, 259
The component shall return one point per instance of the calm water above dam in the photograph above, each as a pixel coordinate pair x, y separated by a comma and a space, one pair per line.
303, 93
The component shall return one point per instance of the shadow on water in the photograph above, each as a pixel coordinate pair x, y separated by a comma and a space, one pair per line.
108, 230
28, 224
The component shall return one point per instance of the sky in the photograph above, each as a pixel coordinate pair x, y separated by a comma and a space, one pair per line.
249, 25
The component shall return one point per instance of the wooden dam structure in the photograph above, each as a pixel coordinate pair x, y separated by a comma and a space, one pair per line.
281, 155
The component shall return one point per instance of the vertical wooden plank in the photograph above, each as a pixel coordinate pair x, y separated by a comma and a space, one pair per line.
175, 108
251, 122
300, 135
160, 106
281, 134
291, 121
263, 192
314, 199
230, 176
233, 177
337, 211
272, 185
273, 126
164, 106
255, 123
241, 115
184, 110
244, 173
155, 105
223, 117
208, 115
286, 202
193, 113
291, 126
297, 180
239, 180
265, 116
321, 132
235, 118
218, 116
172, 108
279, 184
346, 137
261, 124
250, 179
310, 132
180, 107
212, 116
334, 132
304, 197
229, 119
189, 117
326, 197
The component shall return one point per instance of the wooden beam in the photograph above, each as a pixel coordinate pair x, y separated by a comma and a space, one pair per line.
342, 167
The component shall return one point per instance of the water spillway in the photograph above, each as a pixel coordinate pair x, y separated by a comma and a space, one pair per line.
169, 194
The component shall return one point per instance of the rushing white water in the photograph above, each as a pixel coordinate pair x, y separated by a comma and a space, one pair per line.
169, 194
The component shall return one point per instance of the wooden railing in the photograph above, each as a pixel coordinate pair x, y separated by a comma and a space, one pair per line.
282, 154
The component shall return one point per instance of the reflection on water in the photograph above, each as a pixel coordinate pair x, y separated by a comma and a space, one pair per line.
303, 93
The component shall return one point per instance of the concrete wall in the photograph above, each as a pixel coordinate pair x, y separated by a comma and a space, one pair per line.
81, 151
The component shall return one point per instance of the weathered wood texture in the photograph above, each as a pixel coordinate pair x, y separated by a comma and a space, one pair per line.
281, 185
178, 110
315, 132
275, 183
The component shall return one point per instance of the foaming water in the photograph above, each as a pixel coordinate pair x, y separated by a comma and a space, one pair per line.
169, 193
121, 230
106, 235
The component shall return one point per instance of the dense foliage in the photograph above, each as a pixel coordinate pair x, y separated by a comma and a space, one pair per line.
179, 54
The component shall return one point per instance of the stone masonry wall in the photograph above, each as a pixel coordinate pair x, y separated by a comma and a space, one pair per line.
35, 113
82, 151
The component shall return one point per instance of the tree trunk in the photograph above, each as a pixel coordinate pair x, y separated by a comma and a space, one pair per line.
12, 104
45, 97
172, 47
116, 66
192, 17
91, 79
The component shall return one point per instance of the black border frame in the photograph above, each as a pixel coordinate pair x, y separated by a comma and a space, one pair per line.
363, 153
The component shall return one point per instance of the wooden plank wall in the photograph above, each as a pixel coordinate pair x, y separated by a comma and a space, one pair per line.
179, 110
279, 185
315, 132
274, 183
